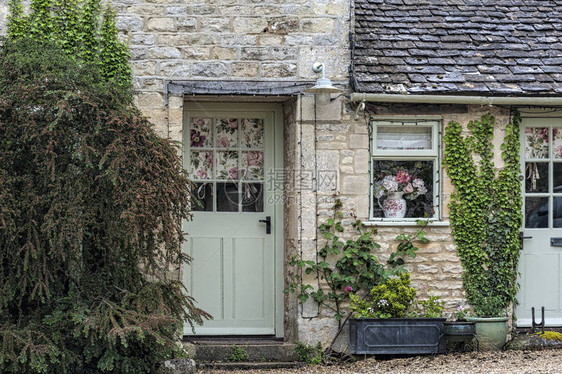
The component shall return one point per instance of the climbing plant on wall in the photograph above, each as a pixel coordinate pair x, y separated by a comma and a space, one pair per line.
485, 211
80, 29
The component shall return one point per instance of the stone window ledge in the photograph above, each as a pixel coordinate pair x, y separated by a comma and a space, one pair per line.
405, 223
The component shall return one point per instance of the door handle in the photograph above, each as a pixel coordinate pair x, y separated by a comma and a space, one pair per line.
267, 222
521, 237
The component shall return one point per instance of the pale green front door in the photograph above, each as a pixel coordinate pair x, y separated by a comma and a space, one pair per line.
229, 150
540, 264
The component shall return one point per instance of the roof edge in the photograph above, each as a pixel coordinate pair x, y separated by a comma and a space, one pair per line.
450, 99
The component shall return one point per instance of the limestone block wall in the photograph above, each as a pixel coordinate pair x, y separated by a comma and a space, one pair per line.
229, 40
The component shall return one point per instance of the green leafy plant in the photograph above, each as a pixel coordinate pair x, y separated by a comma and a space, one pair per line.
310, 354
345, 266
406, 245
85, 34
430, 308
395, 298
461, 313
238, 354
391, 299
485, 212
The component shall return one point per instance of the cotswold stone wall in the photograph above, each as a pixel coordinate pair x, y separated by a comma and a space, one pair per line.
229, 40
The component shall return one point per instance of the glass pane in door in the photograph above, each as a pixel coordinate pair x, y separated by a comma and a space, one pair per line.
536, 212
536, 142
536, 177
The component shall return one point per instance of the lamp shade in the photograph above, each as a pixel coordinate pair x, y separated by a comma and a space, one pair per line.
322, 89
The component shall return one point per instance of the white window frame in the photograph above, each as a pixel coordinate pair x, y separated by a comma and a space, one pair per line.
433, 154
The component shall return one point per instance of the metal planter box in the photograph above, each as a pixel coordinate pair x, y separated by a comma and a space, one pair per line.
397, 336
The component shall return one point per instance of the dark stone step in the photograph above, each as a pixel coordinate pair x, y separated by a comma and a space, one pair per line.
259, 353
251, 365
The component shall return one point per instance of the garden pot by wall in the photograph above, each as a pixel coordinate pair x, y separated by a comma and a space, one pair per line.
397, 336
491, 332
459, 331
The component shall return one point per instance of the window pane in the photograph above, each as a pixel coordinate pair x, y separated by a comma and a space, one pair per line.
536, 212
227, 197
557, 176
200, 132
202, 197
403, 137
252, 165
411, 179
227, 133
536, 142
557, 212
201, 165
536, 177
557, 142
227, 165
252, 197
252, 136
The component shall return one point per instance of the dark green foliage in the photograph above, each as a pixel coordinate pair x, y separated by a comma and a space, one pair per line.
238, 354
91, 209
77, 27
485, 212
350, 266
310, 354
355, 267
390, 299
406, 246
113, 58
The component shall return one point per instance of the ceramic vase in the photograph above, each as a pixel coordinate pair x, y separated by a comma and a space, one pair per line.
394, 206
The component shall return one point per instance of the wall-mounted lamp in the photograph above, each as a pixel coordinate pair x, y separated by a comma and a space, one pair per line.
323, 87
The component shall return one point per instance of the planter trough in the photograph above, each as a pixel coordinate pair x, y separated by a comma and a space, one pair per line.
397, 336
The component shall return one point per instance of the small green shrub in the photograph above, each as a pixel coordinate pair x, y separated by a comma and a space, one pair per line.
430, 308
391, 299
238, 354
310, 354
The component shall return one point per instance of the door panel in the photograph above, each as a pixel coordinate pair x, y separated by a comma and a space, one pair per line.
228, 150
540, 262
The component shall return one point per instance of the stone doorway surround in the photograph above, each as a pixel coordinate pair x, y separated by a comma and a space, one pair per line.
299, 220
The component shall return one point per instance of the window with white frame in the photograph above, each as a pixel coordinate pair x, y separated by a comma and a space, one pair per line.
404, 169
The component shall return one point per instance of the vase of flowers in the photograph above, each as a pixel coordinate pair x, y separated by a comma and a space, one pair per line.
398, 188
394, 206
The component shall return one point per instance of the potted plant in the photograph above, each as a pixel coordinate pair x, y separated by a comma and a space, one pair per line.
389, 321
460, 330
491, 323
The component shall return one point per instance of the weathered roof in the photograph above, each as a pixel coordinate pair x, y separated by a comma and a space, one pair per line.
464, 47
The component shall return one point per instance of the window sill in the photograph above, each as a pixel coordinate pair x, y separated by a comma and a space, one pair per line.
405, 223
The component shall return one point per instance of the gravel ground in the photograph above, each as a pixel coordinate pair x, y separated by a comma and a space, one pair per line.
532, 362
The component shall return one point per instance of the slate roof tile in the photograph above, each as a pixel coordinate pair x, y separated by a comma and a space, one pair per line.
497, 47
